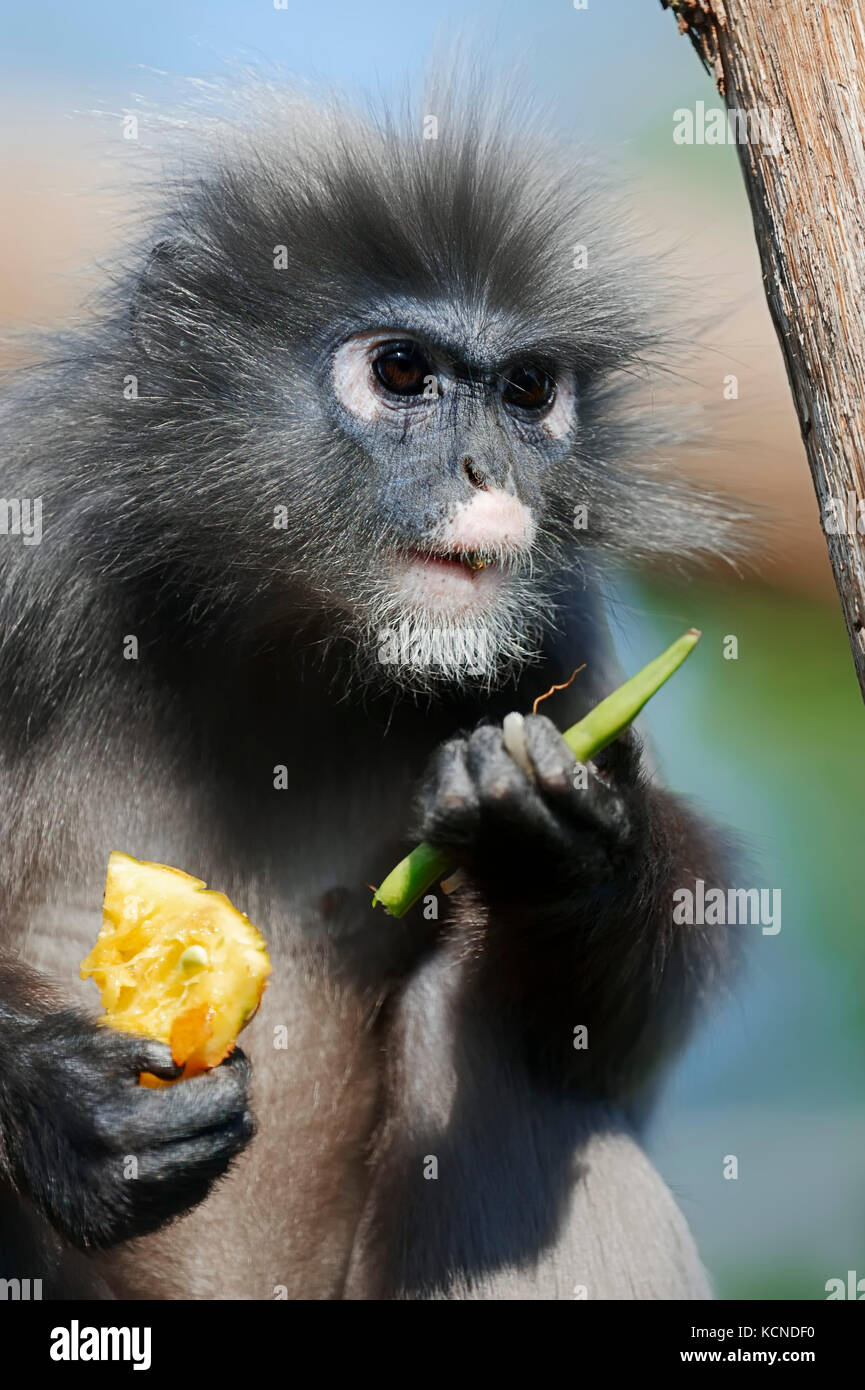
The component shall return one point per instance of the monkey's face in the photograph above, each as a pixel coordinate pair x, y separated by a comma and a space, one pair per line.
454, 431
378, 377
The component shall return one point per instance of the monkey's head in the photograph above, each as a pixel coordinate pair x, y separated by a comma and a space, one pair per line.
375, 372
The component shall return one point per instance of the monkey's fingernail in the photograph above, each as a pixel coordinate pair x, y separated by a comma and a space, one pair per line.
456, 880
514, 732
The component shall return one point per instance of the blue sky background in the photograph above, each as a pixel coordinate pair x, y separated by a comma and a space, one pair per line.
582, 60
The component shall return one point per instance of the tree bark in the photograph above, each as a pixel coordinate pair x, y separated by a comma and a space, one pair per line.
802, 62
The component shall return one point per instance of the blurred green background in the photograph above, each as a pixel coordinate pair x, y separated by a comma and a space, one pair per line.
769, 744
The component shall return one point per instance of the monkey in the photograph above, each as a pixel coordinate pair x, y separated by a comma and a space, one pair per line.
332, 476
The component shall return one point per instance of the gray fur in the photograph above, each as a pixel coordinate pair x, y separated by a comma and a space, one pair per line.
257, 649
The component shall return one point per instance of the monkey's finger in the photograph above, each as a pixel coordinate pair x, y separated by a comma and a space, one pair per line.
125, 1053
236, 1064
448, 804
586, 800
155, 1057
505, 792
172, 1180
552, 760
200, 1158
148, 1118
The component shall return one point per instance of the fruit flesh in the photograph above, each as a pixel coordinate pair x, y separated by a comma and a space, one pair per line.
175, 961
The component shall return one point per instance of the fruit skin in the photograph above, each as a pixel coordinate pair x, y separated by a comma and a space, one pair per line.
175, 961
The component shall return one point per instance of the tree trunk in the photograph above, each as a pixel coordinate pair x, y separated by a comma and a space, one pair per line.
801, 63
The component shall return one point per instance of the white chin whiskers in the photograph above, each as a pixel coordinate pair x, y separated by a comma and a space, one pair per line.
417, 639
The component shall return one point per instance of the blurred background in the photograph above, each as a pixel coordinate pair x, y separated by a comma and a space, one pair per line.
770, 743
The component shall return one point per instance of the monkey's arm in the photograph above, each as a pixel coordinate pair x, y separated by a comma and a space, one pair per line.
101, 1157
570, 907
566, 921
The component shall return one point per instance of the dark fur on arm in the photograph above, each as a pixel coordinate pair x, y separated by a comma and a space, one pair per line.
613, 960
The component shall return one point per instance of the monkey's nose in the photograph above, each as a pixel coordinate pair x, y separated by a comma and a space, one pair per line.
475, 474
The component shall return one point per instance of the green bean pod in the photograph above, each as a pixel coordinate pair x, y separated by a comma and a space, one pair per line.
426, 865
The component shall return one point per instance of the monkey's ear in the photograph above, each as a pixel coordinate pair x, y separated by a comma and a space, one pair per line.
160, 297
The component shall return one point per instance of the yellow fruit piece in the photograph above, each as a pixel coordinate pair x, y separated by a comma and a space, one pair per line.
176, 962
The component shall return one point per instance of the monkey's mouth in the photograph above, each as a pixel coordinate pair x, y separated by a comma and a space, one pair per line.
455, 560
447, 579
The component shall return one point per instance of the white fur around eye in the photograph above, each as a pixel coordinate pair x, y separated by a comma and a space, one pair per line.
352, 375
560, 418
353, 380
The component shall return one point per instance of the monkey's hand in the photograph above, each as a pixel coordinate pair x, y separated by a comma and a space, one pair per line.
572, 875
566, 828
103, 1158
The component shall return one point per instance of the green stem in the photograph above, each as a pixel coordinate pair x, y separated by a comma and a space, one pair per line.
425, 865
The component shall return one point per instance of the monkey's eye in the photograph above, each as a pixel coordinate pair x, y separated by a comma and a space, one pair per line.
402, 369
528, 387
